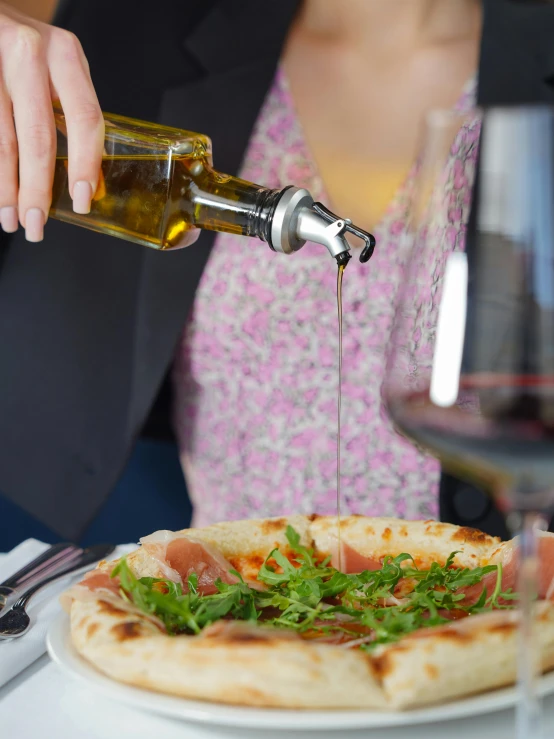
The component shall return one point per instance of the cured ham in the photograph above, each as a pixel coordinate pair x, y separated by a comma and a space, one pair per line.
507, 556
352, 561
98, 585
94, 584
356, 633
471, 624
243, 632
98, 580
180, 556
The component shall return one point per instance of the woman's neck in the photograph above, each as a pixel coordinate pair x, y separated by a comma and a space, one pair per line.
387, 23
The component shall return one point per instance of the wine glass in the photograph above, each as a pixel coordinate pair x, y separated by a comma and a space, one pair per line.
470, 366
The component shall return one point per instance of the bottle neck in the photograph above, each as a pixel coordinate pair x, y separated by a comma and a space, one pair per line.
223, 203
285, 219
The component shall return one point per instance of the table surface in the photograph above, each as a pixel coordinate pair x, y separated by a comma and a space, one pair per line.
42, 701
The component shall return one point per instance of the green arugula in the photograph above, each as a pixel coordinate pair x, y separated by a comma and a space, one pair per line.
186, 612
315, 599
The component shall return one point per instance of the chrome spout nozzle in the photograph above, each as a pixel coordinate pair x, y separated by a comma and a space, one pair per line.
298, 219
312, 227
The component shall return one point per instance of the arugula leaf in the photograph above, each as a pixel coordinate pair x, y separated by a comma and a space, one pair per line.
193, 583
314, 598
270, 576
293, 538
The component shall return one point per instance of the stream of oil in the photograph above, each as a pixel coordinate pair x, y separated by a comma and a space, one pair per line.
339, 404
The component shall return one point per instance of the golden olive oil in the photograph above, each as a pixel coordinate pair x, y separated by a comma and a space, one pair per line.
159, 200
339, 405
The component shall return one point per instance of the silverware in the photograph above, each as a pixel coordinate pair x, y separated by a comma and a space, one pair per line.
16, 622
55, 558
46, 559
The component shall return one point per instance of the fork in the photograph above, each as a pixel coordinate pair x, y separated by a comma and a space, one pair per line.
16, 622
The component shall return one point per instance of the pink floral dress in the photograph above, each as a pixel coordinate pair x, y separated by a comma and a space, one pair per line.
256, 371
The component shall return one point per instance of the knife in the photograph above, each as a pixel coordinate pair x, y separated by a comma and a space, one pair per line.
55, 556
83, 562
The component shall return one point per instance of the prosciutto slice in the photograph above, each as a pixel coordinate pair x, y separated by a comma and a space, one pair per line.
98, 585
95, 584
180, 556
244, 632
507, 556
98, 580
352, 561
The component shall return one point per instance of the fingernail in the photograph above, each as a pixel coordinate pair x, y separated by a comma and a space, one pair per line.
8, 219
82, 195
34, 224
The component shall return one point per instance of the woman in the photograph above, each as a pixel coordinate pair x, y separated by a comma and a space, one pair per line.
327, 94
256, 374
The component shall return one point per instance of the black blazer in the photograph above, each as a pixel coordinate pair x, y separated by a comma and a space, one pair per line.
89, 324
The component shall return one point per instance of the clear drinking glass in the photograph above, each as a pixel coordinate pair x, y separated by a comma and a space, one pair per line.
470, 373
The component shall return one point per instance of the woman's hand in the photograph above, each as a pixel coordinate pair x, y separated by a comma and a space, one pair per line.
40, 63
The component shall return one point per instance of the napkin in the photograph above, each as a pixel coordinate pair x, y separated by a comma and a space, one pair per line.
17, 654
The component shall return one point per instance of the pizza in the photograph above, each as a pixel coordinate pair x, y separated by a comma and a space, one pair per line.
283, 612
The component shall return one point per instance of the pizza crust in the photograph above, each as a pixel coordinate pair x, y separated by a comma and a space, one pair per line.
256, 666
426, 541
250, 670
468, 657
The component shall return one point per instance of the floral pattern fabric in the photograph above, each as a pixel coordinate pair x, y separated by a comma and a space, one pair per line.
257, 367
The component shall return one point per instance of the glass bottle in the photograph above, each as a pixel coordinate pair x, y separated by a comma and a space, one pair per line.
158, 187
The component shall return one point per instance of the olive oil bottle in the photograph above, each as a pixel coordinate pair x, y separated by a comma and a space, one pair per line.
158, 187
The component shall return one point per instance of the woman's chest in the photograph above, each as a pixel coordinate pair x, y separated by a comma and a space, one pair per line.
362, 117
262, 310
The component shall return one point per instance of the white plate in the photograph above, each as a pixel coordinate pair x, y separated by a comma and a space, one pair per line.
64, 654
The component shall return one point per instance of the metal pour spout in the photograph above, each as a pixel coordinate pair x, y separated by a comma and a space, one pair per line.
312, 227
297, 219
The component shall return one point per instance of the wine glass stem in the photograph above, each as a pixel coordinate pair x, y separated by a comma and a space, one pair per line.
528, 712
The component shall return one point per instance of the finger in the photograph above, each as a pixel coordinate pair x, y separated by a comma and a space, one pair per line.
28, 85
8, 164
85, 124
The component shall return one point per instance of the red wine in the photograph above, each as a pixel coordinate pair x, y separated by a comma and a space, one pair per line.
500, 433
